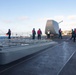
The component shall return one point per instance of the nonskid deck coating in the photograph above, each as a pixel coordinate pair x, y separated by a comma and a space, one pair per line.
49, 62
7, 43
11, 53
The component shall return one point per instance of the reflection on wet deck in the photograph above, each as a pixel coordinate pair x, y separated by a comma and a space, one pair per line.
52, 60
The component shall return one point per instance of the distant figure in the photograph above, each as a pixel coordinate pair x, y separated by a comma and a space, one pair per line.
60, 33
72, 34
48, 34
39, 33
33, 33
9, 34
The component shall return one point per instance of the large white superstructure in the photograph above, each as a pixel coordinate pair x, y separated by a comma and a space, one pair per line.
52, 26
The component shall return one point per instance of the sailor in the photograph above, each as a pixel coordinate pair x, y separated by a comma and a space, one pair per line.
60, 33
48, 34
33, 33
39, 33
9, 34
74, 35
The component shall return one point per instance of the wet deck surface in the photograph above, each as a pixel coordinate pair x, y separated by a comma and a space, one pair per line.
56, 60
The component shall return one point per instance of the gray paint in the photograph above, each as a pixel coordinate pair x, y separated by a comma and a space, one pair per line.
52, 26
11, 54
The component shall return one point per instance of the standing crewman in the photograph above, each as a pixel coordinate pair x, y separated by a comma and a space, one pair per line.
9, 34
39, 32
74, 35
33, 33
48, 34
60, 33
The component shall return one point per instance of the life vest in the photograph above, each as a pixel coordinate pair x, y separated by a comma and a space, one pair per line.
75, 31
33, 32
39, 32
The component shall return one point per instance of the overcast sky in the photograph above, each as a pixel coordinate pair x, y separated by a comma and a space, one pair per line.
24, 15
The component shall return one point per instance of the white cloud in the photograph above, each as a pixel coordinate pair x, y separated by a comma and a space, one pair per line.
43, 19
22, 18
68, 25
59, 18
7, 21
71, 17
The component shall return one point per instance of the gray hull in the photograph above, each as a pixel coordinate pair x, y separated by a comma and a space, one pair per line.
52, 26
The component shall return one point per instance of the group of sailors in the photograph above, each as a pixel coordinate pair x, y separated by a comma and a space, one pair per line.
39, 33
73, 34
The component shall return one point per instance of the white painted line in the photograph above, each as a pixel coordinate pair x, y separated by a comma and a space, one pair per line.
66, 62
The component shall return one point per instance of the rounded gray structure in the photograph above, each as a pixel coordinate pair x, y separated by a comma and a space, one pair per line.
52, 26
